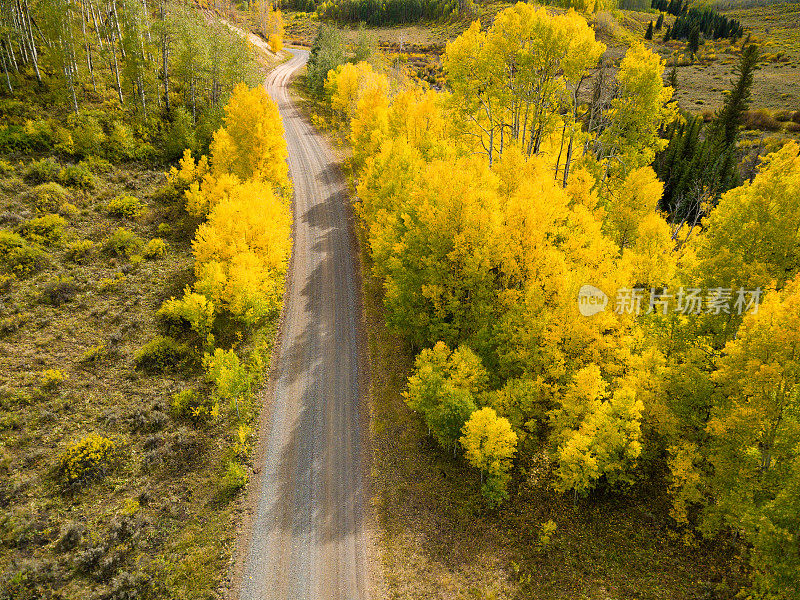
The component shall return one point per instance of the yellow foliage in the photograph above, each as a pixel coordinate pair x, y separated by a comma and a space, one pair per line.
489, 442
90, 458
242, 251
684, 479
251, 145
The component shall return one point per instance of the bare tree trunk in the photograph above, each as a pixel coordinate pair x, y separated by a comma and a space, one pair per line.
12, 56
569, 159
116, 73
561, 147
165, 55
117, 28
31, 42
89, 59
5, 68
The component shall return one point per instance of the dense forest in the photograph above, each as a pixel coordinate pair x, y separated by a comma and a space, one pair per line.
488, 208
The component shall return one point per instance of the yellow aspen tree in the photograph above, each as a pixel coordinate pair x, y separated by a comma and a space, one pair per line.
489, 445
251, 144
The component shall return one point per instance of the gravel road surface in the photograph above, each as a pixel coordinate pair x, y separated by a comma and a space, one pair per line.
307, 539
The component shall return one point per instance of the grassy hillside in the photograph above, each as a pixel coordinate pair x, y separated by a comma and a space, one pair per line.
150, 515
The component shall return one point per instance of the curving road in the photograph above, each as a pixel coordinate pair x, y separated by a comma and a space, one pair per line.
306, 538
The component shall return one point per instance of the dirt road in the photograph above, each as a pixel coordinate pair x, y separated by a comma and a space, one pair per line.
307, 539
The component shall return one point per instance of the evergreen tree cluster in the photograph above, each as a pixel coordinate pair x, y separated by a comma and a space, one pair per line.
298, 5
386, 12
699, 164
709, 22
672, 7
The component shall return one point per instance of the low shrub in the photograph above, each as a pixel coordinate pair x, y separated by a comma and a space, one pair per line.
162, 354
233, 479
9, 240
48, 197
228, 373
190, 405
120, 143
6, 168
47, 230
79, 252
96, 165
59, 291
155, 248
242, 445
51, 379
164, 229
93, 354
41, 171
68, 210
107, 284
123, 242
90, 459
77, 176
87, 135
129, 207
17, 256
193, 309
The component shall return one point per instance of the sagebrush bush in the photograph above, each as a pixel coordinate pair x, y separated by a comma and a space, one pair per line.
47, 230
59, 291
123, 242
129, 207
48, 197
155, 248
51, 379
79, 251
77, 176
91, 458
760, 119
194, 407
42, 171
17, 256
162, 354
